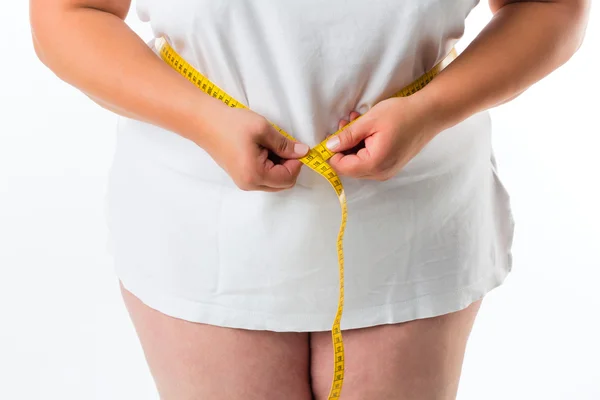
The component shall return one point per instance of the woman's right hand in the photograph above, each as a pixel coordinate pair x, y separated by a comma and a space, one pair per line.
116, 74
251, 151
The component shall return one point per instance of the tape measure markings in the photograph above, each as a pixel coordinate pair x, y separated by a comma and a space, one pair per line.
316, 159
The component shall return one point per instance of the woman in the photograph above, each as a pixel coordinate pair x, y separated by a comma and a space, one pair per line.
225, 246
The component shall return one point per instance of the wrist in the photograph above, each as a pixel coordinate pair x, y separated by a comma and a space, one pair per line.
433, 110
448, 103
202, 115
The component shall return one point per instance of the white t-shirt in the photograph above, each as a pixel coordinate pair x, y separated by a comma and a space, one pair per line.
187, 242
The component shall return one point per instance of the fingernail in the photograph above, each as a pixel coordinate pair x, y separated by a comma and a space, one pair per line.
300, 148
333, 143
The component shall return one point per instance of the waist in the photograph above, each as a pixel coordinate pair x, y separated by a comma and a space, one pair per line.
460, 147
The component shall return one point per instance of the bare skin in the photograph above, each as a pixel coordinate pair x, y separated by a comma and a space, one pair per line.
417, 360
525, 41
190, 361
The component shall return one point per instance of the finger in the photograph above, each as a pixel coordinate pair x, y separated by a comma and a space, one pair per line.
282, 146
293, 166
354, 115
282, 176
343, 123
359, 165
352, 134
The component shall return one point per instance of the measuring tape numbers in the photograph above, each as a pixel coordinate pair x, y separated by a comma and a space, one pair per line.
316, 159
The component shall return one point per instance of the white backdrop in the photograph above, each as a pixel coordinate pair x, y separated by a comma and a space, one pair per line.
64, 333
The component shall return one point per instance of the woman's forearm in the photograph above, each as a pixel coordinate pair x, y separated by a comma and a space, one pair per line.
95, 51
524, 42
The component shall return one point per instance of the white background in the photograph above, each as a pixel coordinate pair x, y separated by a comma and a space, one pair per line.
64, 333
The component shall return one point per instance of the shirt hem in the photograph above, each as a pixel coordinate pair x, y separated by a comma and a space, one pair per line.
427, 306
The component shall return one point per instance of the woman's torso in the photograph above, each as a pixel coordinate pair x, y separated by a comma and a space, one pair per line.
304, 65
182, 229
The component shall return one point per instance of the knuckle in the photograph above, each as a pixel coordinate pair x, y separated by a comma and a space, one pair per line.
282, 144
243, 185
260, 127
379, 169
384, 176
348, 137
286, 182
246, 181
292, 182
261, 124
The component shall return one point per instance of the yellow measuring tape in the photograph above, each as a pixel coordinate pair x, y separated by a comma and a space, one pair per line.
316, 159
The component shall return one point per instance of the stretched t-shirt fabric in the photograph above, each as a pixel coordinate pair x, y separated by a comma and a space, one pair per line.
190, 244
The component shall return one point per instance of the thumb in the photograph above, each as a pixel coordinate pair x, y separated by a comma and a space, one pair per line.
350, 136
282, 146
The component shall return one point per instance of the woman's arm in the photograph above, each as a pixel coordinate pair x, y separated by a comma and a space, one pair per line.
524, 41
87, 44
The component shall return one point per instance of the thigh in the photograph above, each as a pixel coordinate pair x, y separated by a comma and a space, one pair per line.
191, 361
416, 360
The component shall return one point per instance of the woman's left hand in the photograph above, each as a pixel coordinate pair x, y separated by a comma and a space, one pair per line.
382, 141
